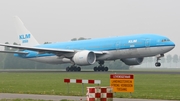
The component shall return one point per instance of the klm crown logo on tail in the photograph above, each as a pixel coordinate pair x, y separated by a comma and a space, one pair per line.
25, 37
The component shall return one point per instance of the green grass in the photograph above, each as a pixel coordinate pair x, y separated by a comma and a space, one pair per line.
147, 86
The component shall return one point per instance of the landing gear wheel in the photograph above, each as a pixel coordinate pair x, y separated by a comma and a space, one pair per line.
101, 67
67, 69
157, 64
73, 68
79, 69
95, 69
106, 69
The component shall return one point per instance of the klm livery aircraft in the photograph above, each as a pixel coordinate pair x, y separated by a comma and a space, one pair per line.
129, 49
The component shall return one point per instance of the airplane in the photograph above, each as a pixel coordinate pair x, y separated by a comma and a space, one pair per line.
130, 49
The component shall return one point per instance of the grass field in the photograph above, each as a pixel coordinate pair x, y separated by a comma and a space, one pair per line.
147, 86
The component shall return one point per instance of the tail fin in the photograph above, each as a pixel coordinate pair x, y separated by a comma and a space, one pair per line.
25, 37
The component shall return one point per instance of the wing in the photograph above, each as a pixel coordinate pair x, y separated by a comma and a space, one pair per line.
44, 50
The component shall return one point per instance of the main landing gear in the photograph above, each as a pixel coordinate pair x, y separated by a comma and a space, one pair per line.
73, 68
101, 67
158, 64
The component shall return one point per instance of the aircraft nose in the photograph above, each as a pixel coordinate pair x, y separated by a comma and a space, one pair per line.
172, 44
169, 46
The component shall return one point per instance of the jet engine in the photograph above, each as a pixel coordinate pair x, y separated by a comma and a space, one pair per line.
84, 58
132, 61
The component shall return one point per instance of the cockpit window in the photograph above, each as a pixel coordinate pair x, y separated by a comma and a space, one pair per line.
165, 40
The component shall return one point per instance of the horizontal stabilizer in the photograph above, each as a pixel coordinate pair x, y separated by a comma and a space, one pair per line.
17, 52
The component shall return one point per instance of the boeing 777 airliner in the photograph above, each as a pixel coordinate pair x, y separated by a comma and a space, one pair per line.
130, 49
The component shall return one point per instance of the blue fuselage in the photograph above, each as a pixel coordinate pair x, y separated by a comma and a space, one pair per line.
119, 47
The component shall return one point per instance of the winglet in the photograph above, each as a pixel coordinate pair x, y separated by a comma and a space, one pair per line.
24, 36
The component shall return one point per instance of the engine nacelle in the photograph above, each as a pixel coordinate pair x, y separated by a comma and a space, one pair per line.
132, 61
84, 58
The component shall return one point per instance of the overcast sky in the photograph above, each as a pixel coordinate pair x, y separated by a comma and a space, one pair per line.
62, 20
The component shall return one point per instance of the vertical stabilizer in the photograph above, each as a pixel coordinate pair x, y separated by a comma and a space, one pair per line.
24, 36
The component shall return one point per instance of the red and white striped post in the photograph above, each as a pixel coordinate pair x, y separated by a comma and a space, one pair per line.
82, 82
99, 94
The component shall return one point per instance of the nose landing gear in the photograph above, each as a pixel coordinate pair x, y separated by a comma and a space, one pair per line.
158, 64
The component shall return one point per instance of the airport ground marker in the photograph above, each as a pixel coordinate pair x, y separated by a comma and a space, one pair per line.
81, 81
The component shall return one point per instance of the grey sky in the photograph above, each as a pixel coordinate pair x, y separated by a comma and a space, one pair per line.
62, 20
